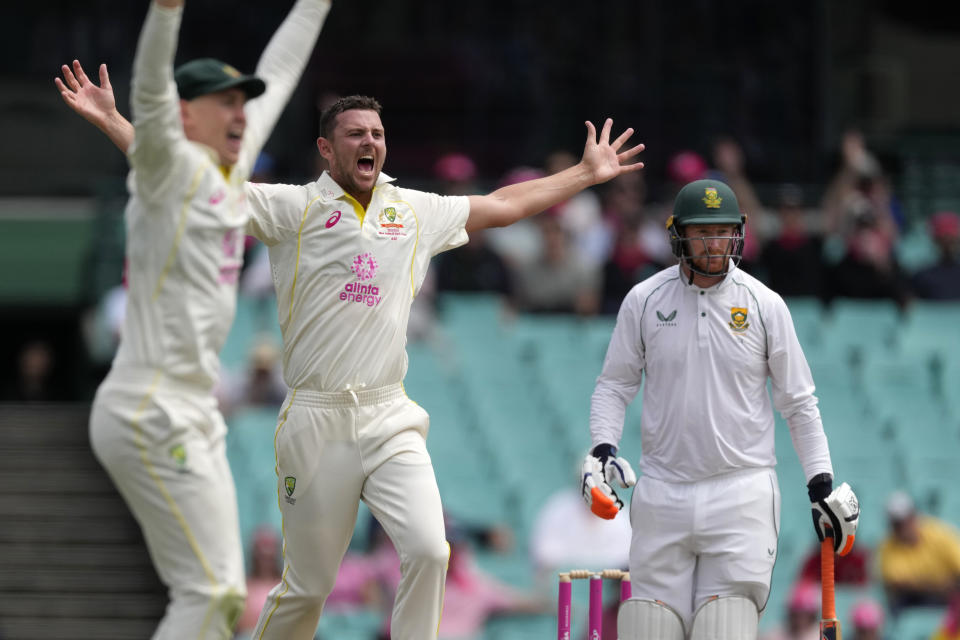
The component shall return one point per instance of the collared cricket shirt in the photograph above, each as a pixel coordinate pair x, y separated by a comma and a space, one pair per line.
345, 277
186, 215
705, 356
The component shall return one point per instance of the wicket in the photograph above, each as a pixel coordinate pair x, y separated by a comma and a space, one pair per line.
565, 602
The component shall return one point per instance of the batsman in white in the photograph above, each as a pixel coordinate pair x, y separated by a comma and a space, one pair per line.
705, 337
155, 426
349, 253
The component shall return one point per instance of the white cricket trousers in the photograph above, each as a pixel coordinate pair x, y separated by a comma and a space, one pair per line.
333, 450
694, 540
162, 443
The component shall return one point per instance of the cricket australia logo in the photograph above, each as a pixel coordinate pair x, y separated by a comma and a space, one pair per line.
711, 199
391, 223
365, 266
178, 453
666, 320
738, 320
290, 485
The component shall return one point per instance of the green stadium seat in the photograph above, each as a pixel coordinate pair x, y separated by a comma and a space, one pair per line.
857, 326
807, 314
916, 623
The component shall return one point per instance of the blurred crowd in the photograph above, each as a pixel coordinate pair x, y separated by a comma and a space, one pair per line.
582, 257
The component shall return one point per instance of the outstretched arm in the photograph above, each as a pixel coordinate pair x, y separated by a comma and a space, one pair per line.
95, 104
602, 161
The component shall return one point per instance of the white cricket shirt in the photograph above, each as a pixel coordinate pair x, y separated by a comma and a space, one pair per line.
706, 355
345, 278
186, 216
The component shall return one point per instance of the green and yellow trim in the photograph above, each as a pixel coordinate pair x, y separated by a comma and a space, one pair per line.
181, 223
141, 443
283, 529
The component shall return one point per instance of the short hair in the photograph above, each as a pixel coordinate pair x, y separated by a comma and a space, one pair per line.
345, 104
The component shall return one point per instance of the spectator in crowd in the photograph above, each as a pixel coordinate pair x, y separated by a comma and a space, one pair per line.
792, 259
581, 215
852, 569
522, 241
866, 620
869, 267
35, 366
474, 267
558, 281
919, 560
941, 281
456, 173
260, 385
950, 627
730, 167
637, 245
566, 535
803, 614
858, 184
265, 564
471, 596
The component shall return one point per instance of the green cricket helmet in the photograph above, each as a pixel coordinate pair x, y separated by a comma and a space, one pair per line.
706, 202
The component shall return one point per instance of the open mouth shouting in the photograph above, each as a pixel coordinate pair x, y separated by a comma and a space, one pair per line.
365, 165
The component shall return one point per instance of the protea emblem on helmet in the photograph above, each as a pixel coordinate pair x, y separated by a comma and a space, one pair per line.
711, 199
738, 319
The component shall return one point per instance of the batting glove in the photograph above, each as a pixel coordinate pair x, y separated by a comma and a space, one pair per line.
837, 508
600, 468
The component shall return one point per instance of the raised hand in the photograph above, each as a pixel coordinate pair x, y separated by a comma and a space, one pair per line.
96, 104
604, 158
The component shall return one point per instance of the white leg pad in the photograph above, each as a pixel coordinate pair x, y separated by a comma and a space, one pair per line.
726, 618
640, 619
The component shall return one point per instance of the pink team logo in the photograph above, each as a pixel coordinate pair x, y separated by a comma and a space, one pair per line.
218, 196
365, 266
334, 219
230, 243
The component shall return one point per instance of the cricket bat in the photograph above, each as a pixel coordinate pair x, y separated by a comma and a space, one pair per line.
829, 624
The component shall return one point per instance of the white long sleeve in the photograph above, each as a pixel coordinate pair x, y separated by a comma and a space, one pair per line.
704, 357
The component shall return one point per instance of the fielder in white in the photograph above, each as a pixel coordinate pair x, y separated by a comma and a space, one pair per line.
349, 253
155, 426
705, 337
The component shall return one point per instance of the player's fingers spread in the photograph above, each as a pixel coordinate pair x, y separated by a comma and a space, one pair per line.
623, 137
591, 133
70, 79
104, 76
605, 132
78, 71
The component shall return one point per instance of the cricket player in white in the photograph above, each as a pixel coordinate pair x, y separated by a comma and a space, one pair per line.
155, 425
349, 253
705, 337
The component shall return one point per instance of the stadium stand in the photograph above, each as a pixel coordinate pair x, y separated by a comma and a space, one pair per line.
509, 398
72, 561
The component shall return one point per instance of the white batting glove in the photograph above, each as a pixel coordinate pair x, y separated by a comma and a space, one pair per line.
600, 468
837, 509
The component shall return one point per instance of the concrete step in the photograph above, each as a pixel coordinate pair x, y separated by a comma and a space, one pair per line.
55, 628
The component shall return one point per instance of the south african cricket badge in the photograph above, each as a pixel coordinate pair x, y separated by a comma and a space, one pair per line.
738, 319
290, 485
711, 199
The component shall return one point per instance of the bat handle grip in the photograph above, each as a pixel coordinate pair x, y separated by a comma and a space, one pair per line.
826, 575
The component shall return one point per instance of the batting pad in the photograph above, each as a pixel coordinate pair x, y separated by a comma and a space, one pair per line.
726, 618
640, 619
